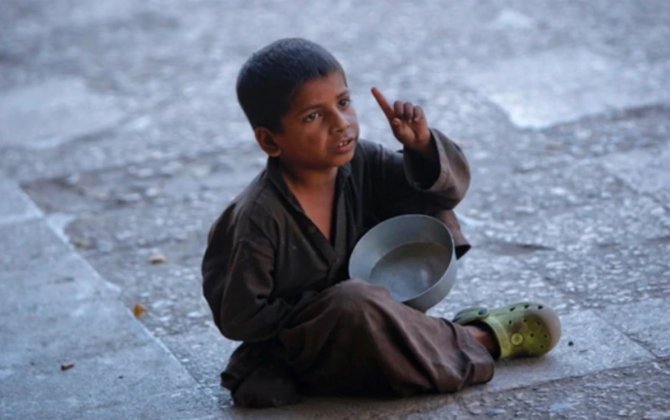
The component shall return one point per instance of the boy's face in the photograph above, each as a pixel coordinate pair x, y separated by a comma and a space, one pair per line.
320, 129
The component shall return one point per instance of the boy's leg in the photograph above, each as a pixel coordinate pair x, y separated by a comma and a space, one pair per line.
355, 339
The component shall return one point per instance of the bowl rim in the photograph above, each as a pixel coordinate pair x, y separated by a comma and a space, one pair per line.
354, 256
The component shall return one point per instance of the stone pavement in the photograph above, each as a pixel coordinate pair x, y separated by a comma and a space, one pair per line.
121, 140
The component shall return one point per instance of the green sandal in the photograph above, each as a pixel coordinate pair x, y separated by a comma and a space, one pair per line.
525, 329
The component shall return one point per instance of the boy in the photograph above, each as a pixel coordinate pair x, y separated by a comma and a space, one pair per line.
275, 269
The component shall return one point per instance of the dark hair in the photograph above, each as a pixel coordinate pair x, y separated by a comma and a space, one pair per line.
270, 78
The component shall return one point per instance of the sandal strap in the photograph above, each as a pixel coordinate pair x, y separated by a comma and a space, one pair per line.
470, 315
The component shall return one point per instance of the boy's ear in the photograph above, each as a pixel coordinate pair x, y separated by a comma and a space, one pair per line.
266, 140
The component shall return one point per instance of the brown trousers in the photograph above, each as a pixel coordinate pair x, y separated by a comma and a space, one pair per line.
354, 339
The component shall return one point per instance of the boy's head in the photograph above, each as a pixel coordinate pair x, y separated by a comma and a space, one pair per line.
270, 78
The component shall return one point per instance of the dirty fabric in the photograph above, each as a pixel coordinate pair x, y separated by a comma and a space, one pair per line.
269, 277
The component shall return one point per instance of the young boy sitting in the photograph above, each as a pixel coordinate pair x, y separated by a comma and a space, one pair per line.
275, 269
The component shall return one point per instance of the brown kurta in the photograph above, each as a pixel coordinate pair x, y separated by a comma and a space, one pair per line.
273, 281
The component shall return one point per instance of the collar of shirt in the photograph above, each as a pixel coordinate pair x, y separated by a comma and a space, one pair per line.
334, 252
275, 176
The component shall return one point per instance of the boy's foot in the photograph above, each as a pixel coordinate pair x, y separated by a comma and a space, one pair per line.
524, 329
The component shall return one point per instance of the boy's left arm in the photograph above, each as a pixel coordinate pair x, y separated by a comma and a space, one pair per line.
446, 182
444, 169
432, 163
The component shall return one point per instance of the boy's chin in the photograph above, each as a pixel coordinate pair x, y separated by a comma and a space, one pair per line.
345, 158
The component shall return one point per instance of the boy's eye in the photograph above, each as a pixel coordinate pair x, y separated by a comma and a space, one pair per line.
311, 116
345, 102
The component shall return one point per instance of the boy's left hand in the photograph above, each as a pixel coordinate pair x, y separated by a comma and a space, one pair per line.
408, 123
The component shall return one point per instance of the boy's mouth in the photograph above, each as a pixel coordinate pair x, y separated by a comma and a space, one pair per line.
344, 144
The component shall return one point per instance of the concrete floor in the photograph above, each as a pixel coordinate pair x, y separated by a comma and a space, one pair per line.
121, 140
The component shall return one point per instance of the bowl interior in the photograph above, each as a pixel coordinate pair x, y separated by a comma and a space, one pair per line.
406, 254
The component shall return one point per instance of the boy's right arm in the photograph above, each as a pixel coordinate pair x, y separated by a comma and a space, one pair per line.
238, 282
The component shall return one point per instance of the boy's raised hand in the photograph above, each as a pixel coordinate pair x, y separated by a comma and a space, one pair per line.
408, 123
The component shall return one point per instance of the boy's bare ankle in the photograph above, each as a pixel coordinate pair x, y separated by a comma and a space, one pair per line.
485, 337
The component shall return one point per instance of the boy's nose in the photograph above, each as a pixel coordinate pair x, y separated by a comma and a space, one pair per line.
341, 121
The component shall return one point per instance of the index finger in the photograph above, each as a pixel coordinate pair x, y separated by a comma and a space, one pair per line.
383, 103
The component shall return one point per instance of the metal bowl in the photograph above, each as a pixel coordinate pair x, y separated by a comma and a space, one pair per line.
413, 256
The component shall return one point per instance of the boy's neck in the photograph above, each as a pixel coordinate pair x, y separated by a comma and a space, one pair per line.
315, 191
306, 181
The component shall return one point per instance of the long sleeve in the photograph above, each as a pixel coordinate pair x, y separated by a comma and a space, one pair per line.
408, 183
453, 173
238, 282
